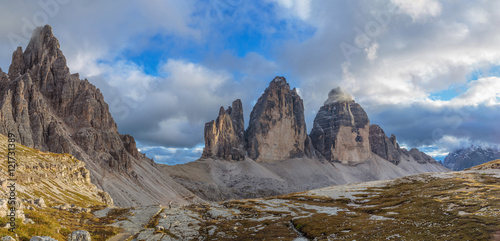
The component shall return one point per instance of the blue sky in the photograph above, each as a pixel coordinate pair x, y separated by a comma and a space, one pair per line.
426, 70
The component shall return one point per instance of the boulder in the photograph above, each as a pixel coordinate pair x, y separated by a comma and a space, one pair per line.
80, 235
8, 238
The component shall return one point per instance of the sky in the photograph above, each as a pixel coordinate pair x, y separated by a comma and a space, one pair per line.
427, 71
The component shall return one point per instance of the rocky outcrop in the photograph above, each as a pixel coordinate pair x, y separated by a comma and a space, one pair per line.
17, 66
277, 129
383, 146
49, 109
341, 130
225, 137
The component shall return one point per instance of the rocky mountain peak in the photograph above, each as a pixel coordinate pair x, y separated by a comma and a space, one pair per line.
279, 81
277, 128
43, 47
225, 137
17, 66
49, 109
341, 129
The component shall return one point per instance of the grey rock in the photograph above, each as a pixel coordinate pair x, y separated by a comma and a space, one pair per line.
220, 213
29, 221
80, 235
40, 202
138, 218
384, 146
42, 238
8, 238
277, 128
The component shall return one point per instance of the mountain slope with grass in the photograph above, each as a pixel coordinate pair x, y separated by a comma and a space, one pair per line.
450, 206
54, 195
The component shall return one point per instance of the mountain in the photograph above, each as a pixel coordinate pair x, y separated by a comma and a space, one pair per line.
282, 158
278, 115
225, 137
464, 158
49, 109
341, 130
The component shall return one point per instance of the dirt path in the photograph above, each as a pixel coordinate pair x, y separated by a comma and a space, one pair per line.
120, 237
137, 220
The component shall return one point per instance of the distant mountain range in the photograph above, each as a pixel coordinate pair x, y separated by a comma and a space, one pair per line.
464, 158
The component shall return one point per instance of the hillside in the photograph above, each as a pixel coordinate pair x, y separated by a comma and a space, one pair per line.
56, 178
492, 165
54, 195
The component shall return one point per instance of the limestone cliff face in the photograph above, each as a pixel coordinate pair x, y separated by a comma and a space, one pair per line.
225, 137
384, 146
341, 130
49, 109
277, 129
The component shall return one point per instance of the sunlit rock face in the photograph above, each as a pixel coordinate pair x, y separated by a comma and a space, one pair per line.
277, 128
225, 137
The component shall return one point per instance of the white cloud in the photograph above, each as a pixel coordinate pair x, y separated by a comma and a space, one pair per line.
482, 91
371, 51
419, 9
301, 8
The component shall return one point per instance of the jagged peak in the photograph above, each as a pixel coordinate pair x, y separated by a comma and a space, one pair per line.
17, 66
43, 43
338, 95
279, 82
